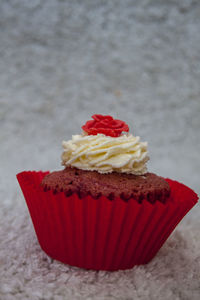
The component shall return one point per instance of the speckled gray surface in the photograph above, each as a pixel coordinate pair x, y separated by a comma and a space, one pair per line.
62, 61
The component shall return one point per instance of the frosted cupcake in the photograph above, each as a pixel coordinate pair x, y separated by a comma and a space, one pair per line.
104, 210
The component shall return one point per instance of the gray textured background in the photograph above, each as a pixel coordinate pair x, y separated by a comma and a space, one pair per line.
62, 61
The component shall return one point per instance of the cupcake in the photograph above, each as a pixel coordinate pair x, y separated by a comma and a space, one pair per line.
104, 210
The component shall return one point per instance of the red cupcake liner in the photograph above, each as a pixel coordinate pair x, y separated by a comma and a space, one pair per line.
102, 234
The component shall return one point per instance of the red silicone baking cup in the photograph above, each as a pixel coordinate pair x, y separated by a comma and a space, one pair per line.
102, 234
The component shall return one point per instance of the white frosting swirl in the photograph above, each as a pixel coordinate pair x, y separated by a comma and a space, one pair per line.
105, 154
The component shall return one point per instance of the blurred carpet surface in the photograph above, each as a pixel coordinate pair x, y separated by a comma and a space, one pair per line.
61, 62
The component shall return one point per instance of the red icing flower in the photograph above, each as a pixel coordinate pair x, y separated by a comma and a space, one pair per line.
106, 125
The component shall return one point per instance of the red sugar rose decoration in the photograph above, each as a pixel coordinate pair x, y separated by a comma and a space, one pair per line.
106, 125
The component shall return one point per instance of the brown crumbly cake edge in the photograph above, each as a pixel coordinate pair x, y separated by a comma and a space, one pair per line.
71, 180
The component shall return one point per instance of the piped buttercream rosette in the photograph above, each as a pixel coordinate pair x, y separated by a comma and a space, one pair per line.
106, 152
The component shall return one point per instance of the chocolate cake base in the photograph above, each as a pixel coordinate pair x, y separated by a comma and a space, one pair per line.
71, 180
